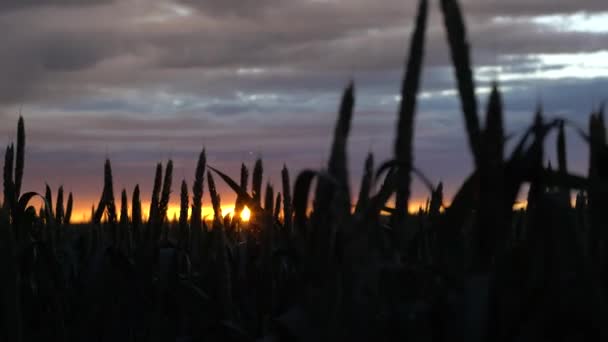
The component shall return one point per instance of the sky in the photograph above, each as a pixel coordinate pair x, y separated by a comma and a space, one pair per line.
144, 81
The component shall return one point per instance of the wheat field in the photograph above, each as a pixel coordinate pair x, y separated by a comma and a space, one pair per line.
311, 264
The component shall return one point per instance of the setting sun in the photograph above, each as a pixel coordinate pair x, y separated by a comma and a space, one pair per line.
246, 214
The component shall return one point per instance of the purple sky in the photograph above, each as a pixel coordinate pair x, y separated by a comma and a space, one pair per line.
142, 81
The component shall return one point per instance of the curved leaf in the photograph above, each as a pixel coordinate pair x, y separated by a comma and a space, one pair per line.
300, 196
393, 163
252, 204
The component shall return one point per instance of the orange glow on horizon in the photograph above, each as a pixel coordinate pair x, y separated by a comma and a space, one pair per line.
84, 216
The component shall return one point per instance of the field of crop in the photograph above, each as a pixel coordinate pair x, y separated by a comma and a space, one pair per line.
316, 267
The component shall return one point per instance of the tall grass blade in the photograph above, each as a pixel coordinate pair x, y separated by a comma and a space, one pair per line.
562, 165
367, 182
20, 157
491, 228
338, 163
109, 191
215, 198
197, 195
459, 48
59, 208
269, 199
407, 111
68, 209
258, 172
9, 187
300, 199
166, 192
287, 203
183, 215
48, 196
154, 203
239, 205
123, 227
136, 214
277, 207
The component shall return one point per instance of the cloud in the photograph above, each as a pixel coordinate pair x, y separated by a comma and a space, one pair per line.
144, 81
9, 5
531, 7
135, 44
234, 7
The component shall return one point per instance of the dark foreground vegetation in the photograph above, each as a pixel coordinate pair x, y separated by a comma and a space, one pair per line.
474, 271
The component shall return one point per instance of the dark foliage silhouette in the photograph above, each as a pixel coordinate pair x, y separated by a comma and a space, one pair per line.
476, 270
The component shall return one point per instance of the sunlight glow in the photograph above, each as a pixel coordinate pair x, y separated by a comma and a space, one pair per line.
246, 214
83, 215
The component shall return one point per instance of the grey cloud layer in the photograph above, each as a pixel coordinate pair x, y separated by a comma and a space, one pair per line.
260, 76
142, 43
10, 5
